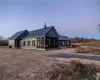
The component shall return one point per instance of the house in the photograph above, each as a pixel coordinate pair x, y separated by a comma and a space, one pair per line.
44, 38
64, 41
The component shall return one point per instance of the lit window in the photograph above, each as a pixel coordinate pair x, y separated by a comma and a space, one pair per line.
63, 43
28, 43
33, 43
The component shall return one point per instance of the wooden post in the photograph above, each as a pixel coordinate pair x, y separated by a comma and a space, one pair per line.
44, 42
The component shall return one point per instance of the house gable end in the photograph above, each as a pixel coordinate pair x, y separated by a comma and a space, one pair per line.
52, 33
23, 35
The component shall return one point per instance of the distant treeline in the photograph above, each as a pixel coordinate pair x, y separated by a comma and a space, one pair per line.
3, 42
81, 40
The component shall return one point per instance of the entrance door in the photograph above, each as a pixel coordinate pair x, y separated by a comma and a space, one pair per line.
17, 43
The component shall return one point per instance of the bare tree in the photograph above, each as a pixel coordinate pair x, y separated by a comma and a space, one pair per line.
99, 26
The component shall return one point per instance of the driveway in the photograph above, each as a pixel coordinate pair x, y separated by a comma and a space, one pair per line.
80, 56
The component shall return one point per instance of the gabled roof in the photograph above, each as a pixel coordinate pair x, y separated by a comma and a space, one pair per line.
18, 34
63, 38
39, 32
34, 33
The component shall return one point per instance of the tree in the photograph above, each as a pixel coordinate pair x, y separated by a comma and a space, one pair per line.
1, 38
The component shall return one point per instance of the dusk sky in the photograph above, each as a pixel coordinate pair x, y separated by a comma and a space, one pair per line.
70, 17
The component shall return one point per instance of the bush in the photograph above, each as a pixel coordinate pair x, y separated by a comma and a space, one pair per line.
3, 42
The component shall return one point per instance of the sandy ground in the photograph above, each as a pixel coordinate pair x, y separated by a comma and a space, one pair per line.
66, 50
26, 62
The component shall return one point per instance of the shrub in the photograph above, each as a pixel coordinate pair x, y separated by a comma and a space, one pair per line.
3, 42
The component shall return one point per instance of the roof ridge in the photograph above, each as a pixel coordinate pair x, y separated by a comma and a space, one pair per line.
40, 29
21, 30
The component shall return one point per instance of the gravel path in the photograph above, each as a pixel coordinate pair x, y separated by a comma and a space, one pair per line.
81, 56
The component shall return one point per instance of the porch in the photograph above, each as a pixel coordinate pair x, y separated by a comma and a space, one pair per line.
41, 43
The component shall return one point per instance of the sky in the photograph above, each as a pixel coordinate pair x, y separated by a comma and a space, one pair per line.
70, 17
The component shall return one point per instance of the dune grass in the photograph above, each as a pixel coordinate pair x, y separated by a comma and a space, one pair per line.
87, 51
73, 70
93, 43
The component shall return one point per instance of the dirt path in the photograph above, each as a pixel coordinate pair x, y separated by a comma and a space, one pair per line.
81, 56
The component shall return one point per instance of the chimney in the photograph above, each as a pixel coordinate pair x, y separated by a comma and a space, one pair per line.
45, 26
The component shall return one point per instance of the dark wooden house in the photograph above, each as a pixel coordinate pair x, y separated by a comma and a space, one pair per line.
44, 38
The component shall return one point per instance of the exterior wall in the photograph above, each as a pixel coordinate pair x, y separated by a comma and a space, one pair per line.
51, 42
28, 47
12, 43
68, 43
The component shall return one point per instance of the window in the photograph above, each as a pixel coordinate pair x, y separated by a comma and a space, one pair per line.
68, 43
48, 41
24, 43
63, 43
38, 41
33, 43
28, 43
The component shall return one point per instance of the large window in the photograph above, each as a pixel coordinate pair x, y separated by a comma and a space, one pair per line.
64, 43
51, 42
28, 43
68, 43
48, 41
24, 43
33, 43
40, 42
